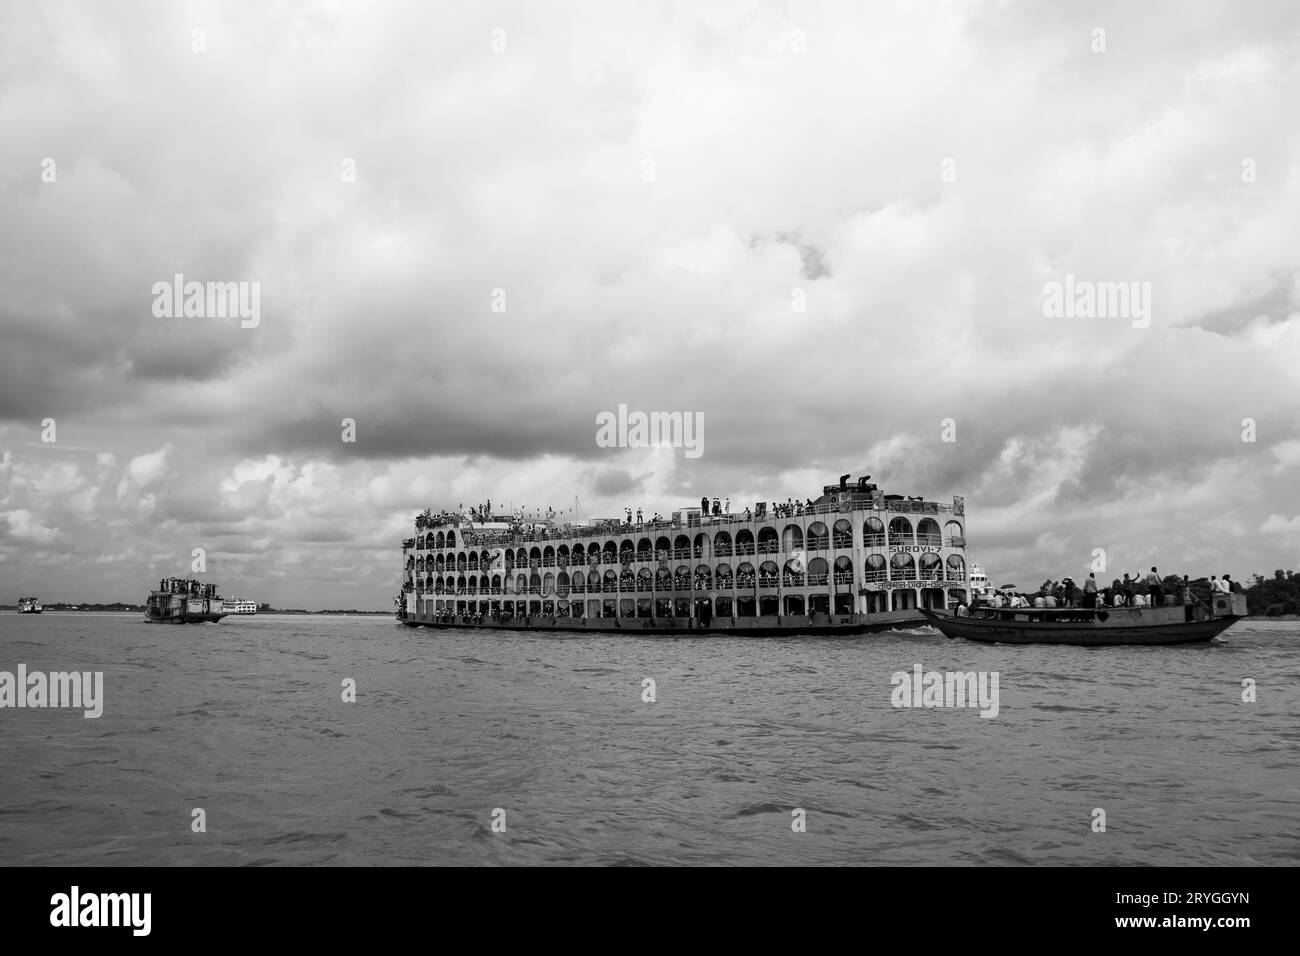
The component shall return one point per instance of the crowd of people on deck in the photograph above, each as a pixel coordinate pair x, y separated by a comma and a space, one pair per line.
191, 587
1135, 590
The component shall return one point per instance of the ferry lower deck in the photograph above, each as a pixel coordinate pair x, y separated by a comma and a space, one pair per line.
827, 625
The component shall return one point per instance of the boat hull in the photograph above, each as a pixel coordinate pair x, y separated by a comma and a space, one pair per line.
186, 619
839, 625
167, 607
1155, 633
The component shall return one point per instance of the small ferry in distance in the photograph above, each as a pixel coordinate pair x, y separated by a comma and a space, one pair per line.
180, 601
234, 605
29, 605
1094, 626
852, 561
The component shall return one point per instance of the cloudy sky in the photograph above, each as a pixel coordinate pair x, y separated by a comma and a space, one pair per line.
826, 228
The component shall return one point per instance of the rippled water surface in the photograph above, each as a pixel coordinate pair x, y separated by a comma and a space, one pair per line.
245, 720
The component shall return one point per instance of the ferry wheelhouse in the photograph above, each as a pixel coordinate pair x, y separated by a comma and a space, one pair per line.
853, 560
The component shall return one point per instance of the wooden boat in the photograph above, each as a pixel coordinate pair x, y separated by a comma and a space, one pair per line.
184, 602
1179, 624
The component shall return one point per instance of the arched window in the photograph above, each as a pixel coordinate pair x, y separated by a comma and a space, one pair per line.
931, 566
818, 572
724, 576
793, 574
703, 547
744, 542
722, 545
956, 537
927, 533
900, 531
791, 538
956, 568
902, 567
819, 536
703, 577
767, 573
873, 533
842, 534
644, 551
681, 546
767, 541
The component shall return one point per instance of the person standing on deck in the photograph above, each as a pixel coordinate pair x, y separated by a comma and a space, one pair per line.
704, 505
1153, 588
1187, 590
1090, 591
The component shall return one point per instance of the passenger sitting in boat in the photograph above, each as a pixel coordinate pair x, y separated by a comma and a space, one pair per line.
1050, 601
962, 611
1039, 600
1139, 600
1224, 587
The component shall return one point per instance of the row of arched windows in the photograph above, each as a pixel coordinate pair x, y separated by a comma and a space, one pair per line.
819, 572
819, 537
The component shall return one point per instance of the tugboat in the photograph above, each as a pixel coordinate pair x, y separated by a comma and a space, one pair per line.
29, 605
179, 601
1093, 626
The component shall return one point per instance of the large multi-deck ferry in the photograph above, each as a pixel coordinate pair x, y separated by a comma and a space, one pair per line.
179, 601
851, 561
234, 605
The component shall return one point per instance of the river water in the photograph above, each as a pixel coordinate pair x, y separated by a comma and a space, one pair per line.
550, 737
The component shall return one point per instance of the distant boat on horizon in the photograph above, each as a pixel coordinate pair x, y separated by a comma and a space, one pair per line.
30, 605
234, 605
